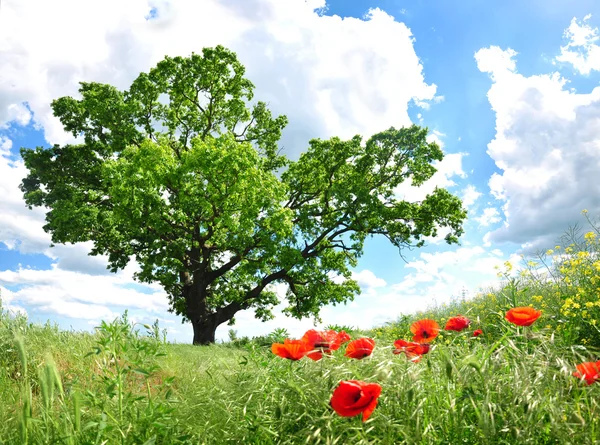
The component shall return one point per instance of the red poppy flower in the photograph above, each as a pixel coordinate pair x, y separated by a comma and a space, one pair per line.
523, 316
590, 371
360, 348
424, 330
292, 349
323, 342
413, 351
457, 323
353, 397
477, 332
343, 337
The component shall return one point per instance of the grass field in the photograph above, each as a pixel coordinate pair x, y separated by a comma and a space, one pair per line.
510, 385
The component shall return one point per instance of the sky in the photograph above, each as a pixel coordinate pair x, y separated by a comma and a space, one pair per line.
509, 90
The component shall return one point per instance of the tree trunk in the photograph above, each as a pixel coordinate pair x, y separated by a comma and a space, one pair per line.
203, 322
204, 331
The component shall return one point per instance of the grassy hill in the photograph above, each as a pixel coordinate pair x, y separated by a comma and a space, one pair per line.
125, 385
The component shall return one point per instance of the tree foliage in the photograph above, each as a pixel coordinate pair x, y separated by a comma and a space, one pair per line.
179, 173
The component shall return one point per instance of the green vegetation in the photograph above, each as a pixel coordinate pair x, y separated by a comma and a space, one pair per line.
125, 385
181, 174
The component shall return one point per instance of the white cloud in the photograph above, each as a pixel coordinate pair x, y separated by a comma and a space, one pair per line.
434, 263
581, 51
490, 265
486, 239
367, 280
5, 145
546, 146
7, 303
79, 296
331, 76
369, 283
489, 216
20, 228
54, 288
16, 113
495, 61
436, 136
469, 195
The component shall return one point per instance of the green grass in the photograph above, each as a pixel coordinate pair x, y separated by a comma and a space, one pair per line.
517, 388
125, 385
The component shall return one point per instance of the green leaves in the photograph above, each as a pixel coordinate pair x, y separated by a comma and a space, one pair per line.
179, 172
343, 187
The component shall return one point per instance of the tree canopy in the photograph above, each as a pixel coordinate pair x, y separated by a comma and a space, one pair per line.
181, 173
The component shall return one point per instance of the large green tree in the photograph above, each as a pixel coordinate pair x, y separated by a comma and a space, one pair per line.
182, 174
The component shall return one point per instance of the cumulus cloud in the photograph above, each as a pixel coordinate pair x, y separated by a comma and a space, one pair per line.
469, 195
546, 146
433, 264
489, 216
330, 75
5, 145
368, 281
581, 50
20, 228
436, 136
78, 295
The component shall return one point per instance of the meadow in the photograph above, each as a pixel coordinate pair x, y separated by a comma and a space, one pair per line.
124, 384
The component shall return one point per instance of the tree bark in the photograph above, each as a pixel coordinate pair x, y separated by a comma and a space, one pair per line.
204, 330
205, 327
204, 322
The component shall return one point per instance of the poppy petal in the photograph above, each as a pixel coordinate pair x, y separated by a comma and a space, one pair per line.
315, 355
360, 348
424, 330
522, 316
374, 393
343, 337
457, 323
412, 350
353, 397
290, 349
589, 371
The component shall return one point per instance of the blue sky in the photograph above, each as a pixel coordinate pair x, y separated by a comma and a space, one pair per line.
506, 88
